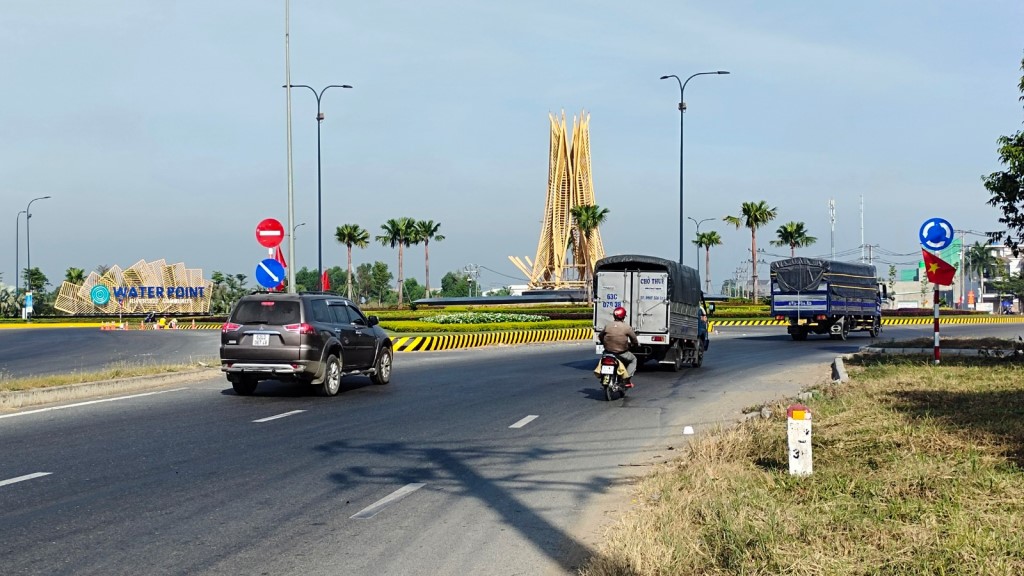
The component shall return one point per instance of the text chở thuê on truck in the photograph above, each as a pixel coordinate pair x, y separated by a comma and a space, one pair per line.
826, 297
663, 302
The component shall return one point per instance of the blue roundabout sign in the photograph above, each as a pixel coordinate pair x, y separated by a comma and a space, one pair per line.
936, 234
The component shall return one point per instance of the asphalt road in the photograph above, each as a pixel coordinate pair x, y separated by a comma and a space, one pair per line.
480, 461
44, 351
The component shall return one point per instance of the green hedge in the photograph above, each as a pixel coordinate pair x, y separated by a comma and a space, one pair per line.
414, 326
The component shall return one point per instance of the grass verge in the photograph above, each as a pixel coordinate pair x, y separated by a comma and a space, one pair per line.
112, 372
917, 470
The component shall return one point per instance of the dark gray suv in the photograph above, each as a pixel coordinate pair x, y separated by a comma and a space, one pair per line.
309, 337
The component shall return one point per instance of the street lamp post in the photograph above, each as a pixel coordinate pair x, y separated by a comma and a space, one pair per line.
28, 241
319, 188
17, 235
682, 113
698, 223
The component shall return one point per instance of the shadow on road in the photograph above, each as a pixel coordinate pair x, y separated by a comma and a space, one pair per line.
452, 470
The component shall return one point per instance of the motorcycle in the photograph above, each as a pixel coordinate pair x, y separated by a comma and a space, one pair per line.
610, 379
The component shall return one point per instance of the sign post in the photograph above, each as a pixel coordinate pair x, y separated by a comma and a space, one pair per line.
28, 306
798, 422
270, 272
936, 234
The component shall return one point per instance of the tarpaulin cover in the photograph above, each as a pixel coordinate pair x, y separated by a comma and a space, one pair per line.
683, 281
844, 278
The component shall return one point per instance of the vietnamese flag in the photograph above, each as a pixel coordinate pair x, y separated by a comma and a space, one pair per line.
939, 271
279, 256
325, 282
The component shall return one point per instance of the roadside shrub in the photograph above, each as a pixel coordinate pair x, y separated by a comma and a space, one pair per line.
415, 326
482, 318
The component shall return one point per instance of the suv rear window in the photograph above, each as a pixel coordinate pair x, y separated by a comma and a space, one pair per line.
275, 312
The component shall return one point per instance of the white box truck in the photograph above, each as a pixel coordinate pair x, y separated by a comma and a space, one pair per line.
663, 303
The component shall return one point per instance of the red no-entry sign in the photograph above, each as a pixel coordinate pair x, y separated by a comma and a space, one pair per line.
269, 233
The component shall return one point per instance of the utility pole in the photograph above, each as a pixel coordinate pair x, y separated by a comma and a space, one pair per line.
832, 218
862, 229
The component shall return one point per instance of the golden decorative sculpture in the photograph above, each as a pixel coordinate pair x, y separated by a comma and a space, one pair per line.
142, 288
569, 185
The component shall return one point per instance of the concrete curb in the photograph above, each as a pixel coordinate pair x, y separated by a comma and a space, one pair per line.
994, 352
839, 371
17, 399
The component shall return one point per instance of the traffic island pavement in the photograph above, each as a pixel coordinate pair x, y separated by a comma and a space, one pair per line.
18, 399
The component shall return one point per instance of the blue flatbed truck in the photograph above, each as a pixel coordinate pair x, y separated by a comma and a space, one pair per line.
826, 297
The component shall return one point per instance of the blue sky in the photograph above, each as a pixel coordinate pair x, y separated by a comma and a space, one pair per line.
159, 127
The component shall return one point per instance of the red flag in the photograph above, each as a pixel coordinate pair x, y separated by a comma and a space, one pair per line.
325, 282
939, 271
279, 256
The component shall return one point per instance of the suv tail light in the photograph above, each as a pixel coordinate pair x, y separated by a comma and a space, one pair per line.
229, 327
300, 328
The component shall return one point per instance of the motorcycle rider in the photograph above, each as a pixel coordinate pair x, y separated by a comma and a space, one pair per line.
617, 338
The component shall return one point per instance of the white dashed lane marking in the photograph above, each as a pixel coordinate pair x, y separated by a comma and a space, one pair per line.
525, 421
23, 478
37, 411
285, 415
371, 510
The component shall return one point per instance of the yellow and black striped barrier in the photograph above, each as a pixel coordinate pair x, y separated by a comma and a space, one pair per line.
888, 321
449, 341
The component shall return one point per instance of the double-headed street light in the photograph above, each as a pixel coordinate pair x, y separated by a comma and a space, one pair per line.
28, 240
682, 112
319, 187
698, 223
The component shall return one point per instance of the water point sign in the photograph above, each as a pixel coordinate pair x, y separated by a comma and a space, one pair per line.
168, 294
100, 295
141, 288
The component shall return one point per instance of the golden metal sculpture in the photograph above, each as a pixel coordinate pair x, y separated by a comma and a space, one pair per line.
141, 288
569, 185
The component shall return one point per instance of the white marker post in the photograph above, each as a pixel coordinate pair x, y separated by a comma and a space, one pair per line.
798, 421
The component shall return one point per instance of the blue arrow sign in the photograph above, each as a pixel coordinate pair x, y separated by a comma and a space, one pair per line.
936, 234
269, 273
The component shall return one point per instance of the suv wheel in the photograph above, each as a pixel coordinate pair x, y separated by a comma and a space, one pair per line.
245, 386
332, 377
382, 367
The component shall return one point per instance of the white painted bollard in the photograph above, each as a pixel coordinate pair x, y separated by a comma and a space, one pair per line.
798, 421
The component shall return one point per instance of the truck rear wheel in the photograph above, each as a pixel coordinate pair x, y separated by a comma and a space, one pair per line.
678, 364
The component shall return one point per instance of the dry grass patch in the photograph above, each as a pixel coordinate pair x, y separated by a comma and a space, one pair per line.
918, 470
114, 371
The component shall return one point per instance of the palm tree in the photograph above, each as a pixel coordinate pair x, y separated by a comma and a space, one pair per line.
75, 276
753, 215
794, 235
587, 217
398, 232
426, 231
351, 235
706, 240
980, 260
